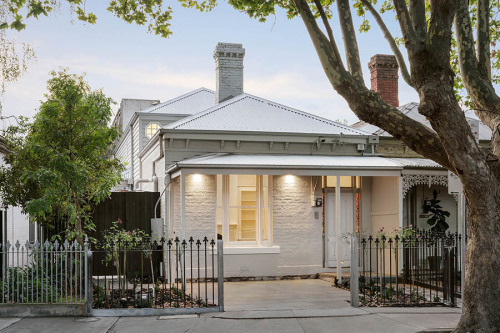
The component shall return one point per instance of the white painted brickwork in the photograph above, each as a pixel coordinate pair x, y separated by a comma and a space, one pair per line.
296, 230
228, 70
175, 214
201, 206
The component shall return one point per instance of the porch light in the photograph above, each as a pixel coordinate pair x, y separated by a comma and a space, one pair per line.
289, 179
197, 178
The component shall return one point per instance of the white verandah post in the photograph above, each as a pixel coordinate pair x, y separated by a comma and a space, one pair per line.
183, 228
337, 229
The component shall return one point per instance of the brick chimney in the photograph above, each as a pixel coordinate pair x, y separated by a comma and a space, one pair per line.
384, 77
228, 71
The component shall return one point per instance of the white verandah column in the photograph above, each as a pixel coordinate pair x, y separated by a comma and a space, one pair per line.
337, 228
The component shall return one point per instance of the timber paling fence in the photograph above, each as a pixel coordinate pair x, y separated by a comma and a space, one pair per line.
420, 269
132, 277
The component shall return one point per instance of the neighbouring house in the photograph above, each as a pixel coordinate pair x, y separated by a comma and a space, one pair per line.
14, 225
279, 185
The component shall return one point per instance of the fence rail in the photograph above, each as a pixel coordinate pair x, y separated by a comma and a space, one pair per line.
423, 268
130, 275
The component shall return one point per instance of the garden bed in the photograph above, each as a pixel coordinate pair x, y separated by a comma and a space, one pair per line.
157, 298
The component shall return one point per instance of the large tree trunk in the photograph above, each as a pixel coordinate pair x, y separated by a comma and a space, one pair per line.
481, 294
451, 144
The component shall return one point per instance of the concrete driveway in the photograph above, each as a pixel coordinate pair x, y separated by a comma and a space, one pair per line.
283, 295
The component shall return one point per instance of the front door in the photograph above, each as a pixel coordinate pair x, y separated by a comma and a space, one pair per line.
346, 226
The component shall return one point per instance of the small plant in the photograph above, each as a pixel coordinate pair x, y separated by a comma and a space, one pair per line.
436, 299
116, 240
389, 293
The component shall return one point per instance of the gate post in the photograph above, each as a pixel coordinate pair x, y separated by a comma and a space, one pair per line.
88, 276
354, 272
220, 274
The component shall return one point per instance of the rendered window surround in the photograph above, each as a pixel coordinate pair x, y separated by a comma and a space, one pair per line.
244, 213
152, 128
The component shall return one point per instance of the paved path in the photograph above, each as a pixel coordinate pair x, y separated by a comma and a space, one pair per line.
283, 295
271, 306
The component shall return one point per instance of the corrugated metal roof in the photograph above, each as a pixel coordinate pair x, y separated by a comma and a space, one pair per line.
250, 113
190, 103
415, 162
411, 110
306, 161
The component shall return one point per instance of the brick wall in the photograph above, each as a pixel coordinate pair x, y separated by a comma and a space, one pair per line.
201, 206
296, 230
228, 70
384, 77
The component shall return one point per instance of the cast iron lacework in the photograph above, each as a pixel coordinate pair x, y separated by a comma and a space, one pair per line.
411, 180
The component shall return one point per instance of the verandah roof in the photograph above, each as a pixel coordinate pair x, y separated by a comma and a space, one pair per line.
304, 162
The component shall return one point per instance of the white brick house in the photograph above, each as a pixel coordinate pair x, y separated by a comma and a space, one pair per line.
279, 185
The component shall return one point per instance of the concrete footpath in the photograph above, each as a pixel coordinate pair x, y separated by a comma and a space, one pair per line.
289, 321
268, 306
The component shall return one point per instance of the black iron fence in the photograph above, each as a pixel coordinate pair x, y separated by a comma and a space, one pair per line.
418, 268
165, 274
48, 273
129, 276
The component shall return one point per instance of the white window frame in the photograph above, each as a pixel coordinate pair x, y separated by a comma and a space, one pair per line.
149, 124
260, 211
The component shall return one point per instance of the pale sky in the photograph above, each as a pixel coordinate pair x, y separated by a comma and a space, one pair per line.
127, 62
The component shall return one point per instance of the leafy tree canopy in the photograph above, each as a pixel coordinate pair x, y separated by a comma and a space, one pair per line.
57, 167
14, 14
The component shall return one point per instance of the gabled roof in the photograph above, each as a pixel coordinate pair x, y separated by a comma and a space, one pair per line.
190, 103
411, 110
250, 113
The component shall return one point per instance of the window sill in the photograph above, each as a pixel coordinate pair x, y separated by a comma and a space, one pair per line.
252, 250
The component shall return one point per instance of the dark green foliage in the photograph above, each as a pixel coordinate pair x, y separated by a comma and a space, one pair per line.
438, 215
58, 166
41, 282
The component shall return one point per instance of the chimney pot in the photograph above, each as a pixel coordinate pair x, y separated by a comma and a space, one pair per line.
384, 77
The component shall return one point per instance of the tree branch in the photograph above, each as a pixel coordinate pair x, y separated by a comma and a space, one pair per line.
417, 16
478, 87
404, 20
367, 104
328, 28
438, 40
392, 43
483, 37
350, 43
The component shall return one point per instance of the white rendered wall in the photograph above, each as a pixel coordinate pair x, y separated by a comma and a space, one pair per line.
384, 204
17, 223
